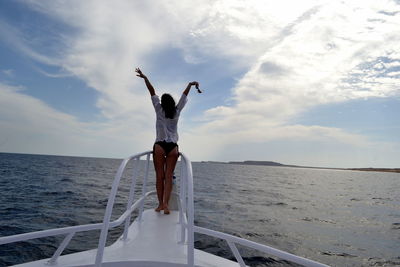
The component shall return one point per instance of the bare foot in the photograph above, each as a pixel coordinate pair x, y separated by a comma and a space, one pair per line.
166, 210
159, 208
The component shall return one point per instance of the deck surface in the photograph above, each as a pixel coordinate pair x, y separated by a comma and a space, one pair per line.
152, 242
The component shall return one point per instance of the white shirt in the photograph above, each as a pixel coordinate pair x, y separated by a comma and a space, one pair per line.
167, 129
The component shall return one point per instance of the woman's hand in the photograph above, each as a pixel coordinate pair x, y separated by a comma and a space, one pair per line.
148, 84
186, 92
140, 73
196, 84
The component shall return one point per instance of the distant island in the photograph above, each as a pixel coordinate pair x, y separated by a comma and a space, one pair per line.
255, 162
277, 164
376, 169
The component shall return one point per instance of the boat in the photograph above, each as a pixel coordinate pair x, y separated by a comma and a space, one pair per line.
152, 239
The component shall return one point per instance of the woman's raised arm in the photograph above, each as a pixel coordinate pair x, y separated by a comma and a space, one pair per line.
148, 84
187, 90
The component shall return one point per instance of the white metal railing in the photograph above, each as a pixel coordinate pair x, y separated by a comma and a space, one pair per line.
111, 199
69, 232
187, 203
186, 219
232, 240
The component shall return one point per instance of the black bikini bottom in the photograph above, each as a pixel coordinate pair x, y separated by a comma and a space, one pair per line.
167, 146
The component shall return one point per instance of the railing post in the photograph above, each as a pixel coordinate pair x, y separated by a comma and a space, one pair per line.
135, 173
181, 201
190, 212
107, 214
235, 252
144, 187
184, 186
61, 248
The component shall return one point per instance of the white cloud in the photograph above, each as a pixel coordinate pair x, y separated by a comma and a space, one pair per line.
324, 58
110, 40
27, 125
18, 41
110, 37
8, 72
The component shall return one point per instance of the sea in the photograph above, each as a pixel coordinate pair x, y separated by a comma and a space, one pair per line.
337, 217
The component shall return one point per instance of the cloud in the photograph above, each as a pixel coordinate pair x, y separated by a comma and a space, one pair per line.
8, 72
28, 125
272, 69
326, 55
54, 75
18, 41
108, 39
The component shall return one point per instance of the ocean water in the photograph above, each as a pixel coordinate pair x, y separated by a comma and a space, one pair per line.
341, 218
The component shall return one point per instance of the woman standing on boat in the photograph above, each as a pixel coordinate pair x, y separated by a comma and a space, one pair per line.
165, 149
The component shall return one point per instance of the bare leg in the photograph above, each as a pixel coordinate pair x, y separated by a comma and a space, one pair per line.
170, 163
159, 162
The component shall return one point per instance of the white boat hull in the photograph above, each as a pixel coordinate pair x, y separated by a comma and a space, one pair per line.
152, 242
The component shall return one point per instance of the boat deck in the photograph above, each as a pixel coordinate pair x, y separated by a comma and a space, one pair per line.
152, 242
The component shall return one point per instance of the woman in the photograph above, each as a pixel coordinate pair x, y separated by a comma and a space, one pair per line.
165, 149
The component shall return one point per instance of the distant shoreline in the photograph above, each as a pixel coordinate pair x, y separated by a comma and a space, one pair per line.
277, 164
246, 162
397, 170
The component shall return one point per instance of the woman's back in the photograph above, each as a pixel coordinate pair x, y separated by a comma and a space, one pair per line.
167, 128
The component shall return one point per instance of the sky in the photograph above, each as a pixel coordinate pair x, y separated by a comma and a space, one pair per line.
306, 82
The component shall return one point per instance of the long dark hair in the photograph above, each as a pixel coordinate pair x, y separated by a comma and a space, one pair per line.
168, 105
